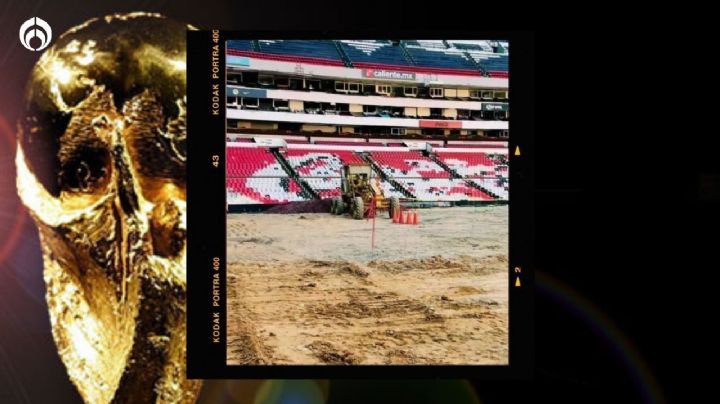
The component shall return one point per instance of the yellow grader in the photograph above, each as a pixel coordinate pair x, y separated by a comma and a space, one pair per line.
359, 189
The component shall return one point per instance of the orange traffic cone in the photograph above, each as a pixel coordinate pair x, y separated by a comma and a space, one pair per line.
411, 217
402, 218
395, 216
417, 217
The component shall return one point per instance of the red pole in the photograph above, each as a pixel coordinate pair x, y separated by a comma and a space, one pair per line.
372, 243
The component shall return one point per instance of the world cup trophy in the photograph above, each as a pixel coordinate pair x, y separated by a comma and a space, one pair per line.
101, 168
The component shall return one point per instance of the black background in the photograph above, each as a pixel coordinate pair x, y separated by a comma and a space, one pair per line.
626, 198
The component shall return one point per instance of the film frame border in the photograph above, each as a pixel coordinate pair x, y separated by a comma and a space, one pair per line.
207, 222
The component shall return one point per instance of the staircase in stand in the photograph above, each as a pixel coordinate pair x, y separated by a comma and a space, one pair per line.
454, 174
406, 54
343, 55
308, 192
384, 177
475, 185
433, 157
474, 62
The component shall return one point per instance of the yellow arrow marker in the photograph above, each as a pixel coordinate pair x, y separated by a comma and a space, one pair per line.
517, 150
517, 282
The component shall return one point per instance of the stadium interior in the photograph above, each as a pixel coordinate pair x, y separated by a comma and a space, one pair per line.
429, 116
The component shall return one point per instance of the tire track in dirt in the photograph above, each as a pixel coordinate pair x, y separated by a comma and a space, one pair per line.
291, 300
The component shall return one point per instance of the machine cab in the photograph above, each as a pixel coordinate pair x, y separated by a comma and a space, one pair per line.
355, 177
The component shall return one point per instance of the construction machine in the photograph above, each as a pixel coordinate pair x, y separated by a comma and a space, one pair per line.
360, 189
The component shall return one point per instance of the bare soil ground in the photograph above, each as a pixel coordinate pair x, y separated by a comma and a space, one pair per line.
309, 289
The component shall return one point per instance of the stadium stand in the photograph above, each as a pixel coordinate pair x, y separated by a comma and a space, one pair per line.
240, 44
373, 52
421, 56
494, 65
263, 190
322, 52
470, 164
309, 164
326, 187
389, 191
322, 170
324, 49
472, 46
436, 54
255, 176
252, 162
408, 164
488, 170
498, 186
320, 163
442, 189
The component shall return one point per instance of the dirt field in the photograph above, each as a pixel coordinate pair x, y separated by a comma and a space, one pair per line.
308, 289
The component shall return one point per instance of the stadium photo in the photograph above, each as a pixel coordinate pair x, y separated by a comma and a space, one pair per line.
367, 187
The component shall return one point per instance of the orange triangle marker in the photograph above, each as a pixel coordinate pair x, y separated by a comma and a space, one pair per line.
517, 282
517, 150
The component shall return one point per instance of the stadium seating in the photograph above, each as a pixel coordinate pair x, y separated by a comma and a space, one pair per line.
482, 53
308, 163
494, 65
408, 164
419, 56
442, 189
498, 186
252, 162
320, 163
321, 169
326, 187
240, 44
321, 52
262, 190
286, 58
471, 46
488, 170
470, 164
389, 191
373, 51
256, 177
436, 54
324, 49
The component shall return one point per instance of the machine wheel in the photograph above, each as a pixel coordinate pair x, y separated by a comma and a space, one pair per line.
342, 208
394, 206
338, 206
358, 210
